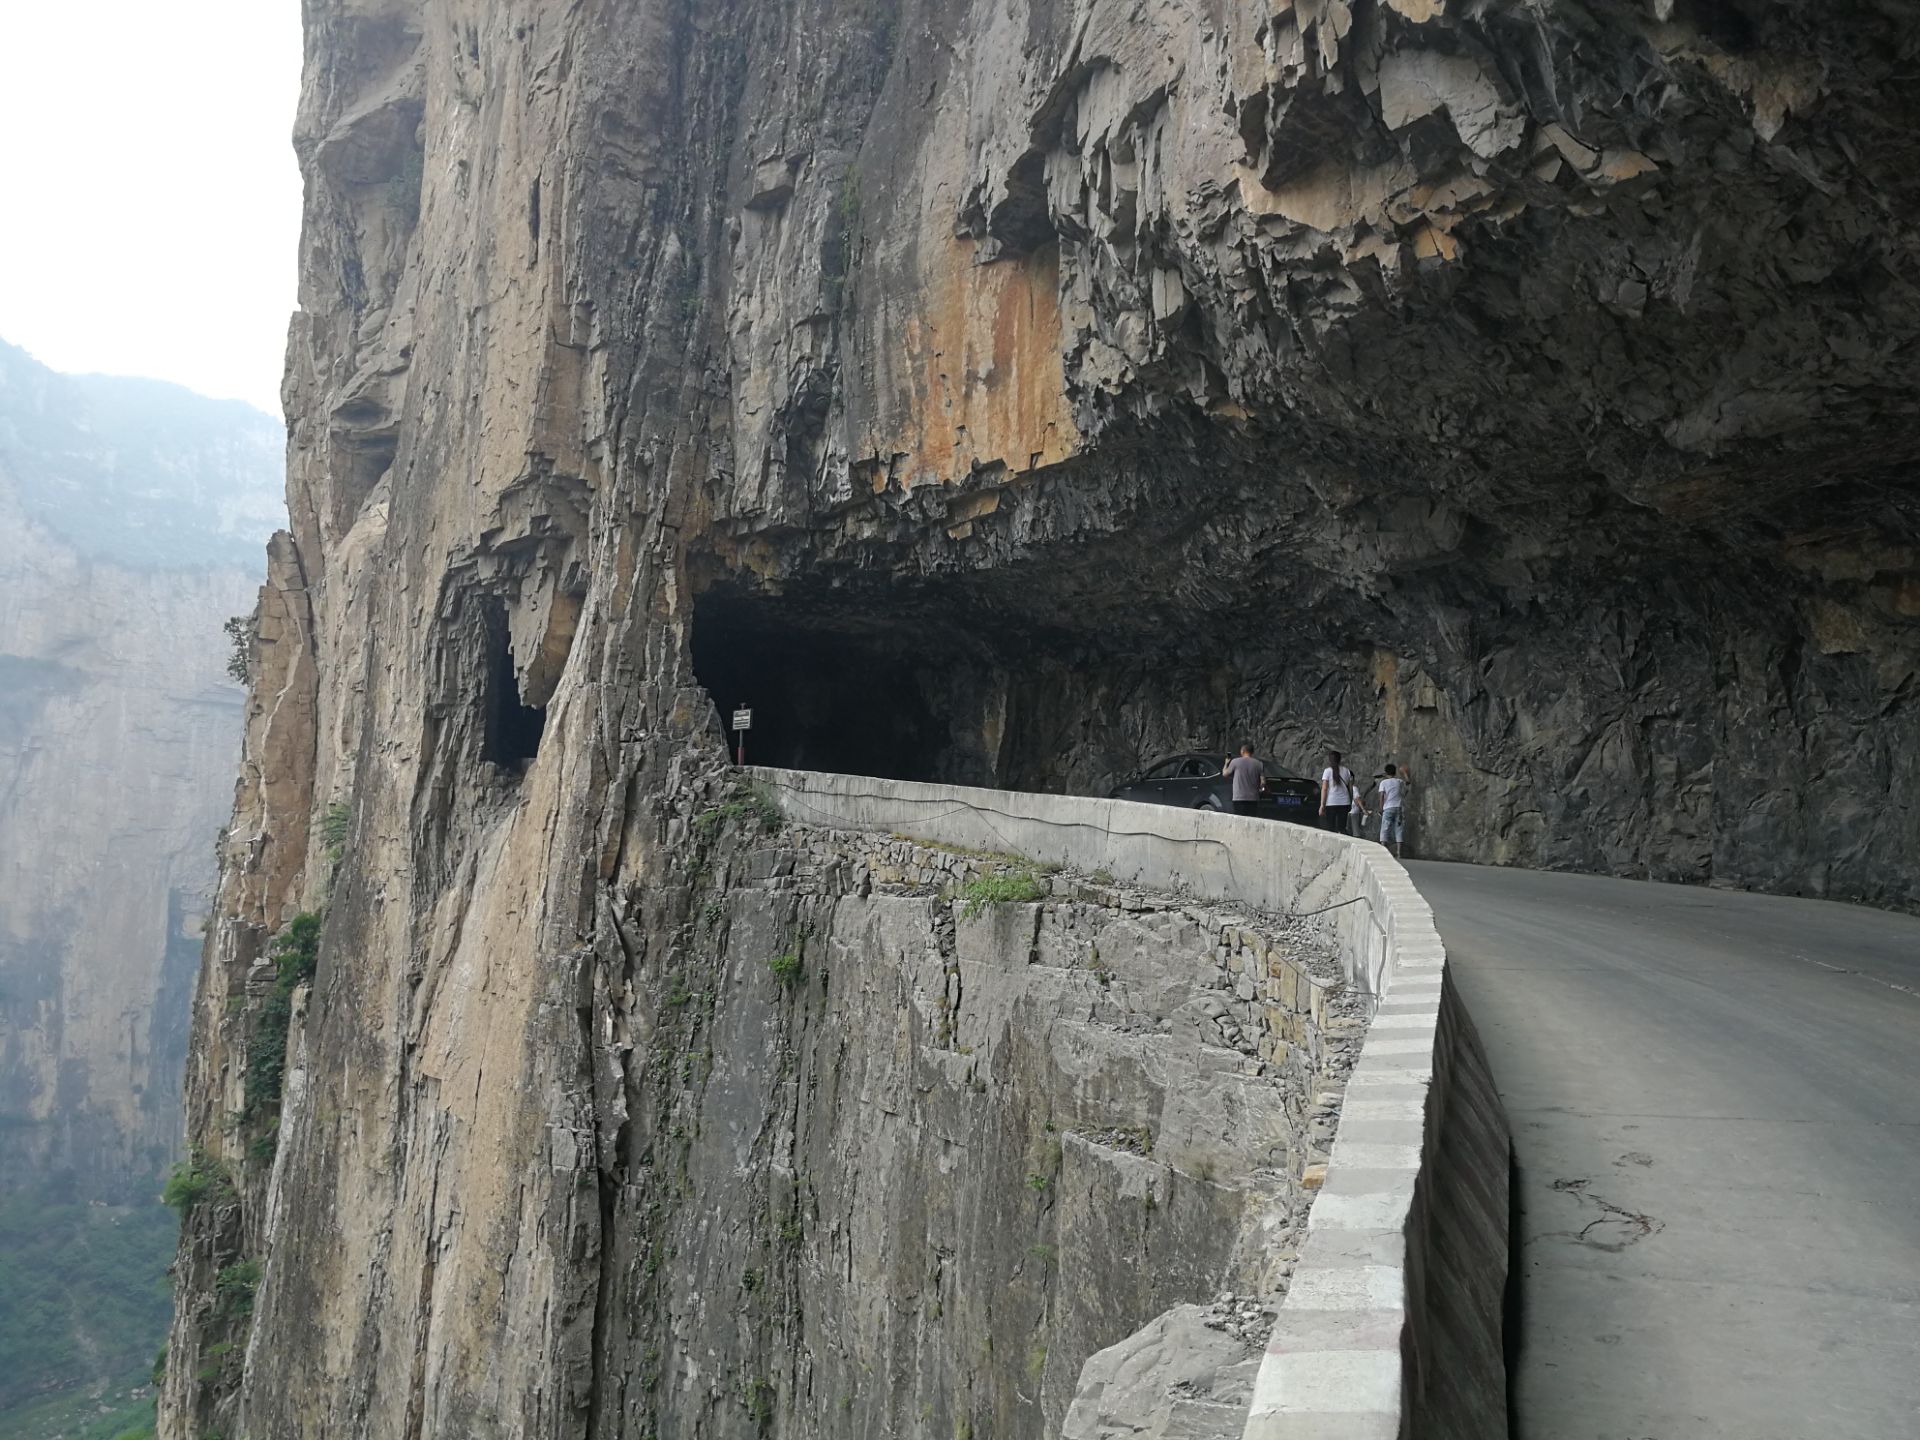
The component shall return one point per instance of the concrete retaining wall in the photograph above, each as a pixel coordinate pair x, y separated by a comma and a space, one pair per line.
1392, 1325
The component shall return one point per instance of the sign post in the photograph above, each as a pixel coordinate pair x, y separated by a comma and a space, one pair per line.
742, 722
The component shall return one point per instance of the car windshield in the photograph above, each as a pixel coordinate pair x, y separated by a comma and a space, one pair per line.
1194, 767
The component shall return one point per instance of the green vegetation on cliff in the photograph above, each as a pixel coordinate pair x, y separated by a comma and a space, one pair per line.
122, 1411
1009, 885
84, 1303
295, 955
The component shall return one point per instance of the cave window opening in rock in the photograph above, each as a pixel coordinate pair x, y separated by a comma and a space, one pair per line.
511, 731
828, 694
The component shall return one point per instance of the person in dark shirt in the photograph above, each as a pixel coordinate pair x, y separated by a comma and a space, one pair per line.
1249, 779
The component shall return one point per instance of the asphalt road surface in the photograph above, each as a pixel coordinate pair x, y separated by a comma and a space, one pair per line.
1715, 1101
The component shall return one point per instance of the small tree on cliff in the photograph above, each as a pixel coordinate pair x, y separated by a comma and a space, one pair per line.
240, 636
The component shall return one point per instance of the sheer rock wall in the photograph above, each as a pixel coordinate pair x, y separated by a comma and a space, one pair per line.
118, 728
1524, 391
894, 1158
127, 511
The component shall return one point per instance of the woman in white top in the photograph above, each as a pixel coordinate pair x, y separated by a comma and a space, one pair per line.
1336, 794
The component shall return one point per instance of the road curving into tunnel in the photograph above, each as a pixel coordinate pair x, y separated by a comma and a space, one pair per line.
1715, 1106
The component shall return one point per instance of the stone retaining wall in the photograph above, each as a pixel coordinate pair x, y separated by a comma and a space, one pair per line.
1392, 1324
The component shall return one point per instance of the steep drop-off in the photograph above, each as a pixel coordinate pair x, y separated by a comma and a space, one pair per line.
132, 514
901, 1151
998, 390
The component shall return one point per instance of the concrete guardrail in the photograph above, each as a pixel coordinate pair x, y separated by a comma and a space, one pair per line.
1393, 1323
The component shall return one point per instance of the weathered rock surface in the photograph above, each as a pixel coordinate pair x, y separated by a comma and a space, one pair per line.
997, 391
898, 1159
1523, 392
126, 508
1187, 1375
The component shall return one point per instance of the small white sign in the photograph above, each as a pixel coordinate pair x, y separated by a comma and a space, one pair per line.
743, 719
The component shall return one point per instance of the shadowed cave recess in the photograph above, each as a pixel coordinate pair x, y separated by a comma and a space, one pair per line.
1638, 696
1595, 507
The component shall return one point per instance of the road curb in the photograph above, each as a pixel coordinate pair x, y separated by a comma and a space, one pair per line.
1393, 1322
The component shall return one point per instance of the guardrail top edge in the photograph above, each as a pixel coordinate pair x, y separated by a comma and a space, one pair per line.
1333, 1359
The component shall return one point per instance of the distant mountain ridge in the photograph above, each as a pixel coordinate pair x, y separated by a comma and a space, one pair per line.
141, 472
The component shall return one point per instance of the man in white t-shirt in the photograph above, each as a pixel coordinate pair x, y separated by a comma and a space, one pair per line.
1393, 798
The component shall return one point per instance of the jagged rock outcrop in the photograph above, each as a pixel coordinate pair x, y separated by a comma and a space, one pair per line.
130, 511
999, 391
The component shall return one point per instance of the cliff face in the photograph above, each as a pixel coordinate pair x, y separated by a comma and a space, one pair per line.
999, 392
891, 1161
125, 553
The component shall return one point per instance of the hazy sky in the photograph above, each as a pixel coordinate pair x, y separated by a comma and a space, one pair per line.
151, 201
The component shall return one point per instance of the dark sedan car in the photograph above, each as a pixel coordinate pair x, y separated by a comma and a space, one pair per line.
1194, 780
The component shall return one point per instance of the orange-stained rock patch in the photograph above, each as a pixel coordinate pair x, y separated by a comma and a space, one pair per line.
985, 380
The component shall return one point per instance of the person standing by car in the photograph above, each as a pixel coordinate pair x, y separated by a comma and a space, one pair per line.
1393, 798
1249, 778
1336, 794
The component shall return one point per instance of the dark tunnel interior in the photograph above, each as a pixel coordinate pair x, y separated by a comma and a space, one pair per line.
941, 683
832, 694
938, 684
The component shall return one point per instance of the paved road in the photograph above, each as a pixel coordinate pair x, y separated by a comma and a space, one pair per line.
1715, 1100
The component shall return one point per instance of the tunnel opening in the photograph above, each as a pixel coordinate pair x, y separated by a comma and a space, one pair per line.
951, 683
832, 691
510, 730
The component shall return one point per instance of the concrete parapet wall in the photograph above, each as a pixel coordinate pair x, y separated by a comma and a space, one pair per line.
1392, 1324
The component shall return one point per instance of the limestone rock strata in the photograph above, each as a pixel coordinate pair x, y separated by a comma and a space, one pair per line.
999, 392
